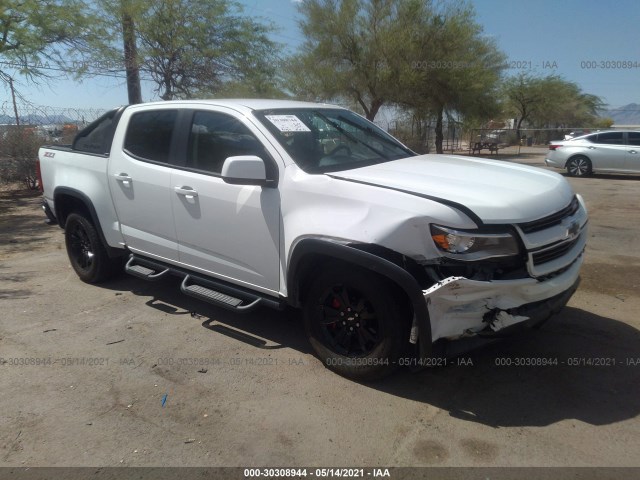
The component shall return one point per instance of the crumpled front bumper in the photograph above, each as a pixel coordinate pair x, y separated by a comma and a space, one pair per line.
459, 307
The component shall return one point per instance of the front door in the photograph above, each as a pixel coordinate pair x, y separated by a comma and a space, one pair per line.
633, 152
227, 231
609, 152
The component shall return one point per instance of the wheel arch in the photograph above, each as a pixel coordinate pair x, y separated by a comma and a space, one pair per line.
68, 200
310, 253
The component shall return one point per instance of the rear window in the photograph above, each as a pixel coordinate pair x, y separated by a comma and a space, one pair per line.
96, 138
634, 138
614, 138
149, 135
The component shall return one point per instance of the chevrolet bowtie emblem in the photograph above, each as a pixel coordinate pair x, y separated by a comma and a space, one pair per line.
573, 230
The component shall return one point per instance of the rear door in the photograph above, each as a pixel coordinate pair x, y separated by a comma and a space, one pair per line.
139, 175
632, 163
227, 231
609, 152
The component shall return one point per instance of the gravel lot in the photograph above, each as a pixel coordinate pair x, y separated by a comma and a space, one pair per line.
130, 373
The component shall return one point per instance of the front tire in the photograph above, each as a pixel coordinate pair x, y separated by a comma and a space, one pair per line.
354, 323
86, 252
579, 166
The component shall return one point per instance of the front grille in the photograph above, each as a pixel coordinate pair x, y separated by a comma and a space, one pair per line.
551, 220
558, 272
554, 252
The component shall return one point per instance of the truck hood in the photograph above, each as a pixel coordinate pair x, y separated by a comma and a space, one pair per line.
495, 191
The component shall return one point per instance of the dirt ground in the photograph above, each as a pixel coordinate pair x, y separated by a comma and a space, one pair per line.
130, 373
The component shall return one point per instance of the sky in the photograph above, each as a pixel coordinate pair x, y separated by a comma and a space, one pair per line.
583, 41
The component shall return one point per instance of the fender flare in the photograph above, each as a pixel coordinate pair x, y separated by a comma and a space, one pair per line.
88, 204
369, 261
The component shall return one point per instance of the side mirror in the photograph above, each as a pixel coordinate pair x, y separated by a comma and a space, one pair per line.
244, 170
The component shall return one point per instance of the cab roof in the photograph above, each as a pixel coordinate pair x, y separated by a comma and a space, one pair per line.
246, 103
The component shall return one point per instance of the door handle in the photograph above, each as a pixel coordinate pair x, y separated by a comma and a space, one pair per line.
123, 177
591, 148
633, 151
186, 191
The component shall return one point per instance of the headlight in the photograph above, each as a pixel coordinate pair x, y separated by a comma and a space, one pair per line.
469, 246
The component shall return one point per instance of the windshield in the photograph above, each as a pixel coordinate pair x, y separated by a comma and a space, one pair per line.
329, 140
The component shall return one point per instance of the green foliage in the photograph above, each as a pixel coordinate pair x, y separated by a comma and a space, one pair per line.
452, 68
602, 123
195, 47
548, 101
248, 87
348, 52
35, 34
429, 58
18, 154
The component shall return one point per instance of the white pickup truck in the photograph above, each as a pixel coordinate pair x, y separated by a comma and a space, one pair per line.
255, 203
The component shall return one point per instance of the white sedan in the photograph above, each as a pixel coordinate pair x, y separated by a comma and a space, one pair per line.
612, 151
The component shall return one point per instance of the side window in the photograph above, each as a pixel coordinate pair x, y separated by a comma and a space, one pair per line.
614, 138
96, 138
592, 138
149, 134
215, 136
634, 138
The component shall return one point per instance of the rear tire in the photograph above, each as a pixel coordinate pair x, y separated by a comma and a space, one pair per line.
579, 166
354, 323
86, 251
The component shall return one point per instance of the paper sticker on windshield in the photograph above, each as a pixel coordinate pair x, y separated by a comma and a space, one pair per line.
288, 123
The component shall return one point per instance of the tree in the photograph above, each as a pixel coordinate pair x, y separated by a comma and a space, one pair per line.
455, 69
564, 104
549, 101
19, 152
603, 123
189, 46
522, 94
348, 52
428, 58
37, 35
130, 50
251, 86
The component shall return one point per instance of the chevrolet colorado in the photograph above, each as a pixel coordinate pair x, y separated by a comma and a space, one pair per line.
280, 203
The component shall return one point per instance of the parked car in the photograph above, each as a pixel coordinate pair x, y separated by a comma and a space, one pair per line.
255, 203
610, 151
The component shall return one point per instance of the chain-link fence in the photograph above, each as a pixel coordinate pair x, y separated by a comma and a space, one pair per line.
421, 137
501, 138
34, 126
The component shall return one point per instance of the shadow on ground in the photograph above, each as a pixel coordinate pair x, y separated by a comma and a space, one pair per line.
596, 379
607, 176
263, 328
19, 231
593, 374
